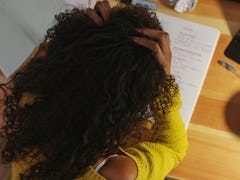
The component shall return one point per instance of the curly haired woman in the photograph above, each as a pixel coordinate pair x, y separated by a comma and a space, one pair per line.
96, 101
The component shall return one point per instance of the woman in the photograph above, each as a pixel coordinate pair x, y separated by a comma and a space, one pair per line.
97, 101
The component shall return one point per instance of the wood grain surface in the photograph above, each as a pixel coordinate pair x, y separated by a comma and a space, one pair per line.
214, 131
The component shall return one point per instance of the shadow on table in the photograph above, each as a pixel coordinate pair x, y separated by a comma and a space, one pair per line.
232, 114
230, 14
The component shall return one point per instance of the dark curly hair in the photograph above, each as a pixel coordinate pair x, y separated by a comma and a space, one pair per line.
89, 87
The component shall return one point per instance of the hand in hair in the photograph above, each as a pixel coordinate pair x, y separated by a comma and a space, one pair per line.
160, 45
100, 14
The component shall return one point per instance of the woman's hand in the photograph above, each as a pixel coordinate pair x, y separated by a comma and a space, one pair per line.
100, 13
160, 46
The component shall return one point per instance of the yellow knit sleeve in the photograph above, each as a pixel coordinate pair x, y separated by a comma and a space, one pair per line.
157, 158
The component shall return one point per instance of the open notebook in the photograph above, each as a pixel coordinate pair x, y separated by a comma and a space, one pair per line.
192, 47
15, 45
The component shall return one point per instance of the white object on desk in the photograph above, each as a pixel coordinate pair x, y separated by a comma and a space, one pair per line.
192, 47
183, 5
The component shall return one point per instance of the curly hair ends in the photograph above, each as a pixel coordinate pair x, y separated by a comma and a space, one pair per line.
87, 88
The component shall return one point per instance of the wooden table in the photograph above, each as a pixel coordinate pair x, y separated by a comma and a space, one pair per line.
214, 131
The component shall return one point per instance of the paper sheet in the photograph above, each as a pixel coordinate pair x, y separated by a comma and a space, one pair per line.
192, 47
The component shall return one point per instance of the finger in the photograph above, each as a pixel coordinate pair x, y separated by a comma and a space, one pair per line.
160, 36
93, 15
107, 4
103, 10
153, 46
153, 33
164, 42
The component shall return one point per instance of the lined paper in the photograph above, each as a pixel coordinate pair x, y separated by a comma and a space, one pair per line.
192, 47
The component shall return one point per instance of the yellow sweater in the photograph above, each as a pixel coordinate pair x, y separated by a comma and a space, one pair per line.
154, 160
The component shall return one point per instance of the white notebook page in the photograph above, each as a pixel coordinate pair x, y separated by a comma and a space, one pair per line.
192, 47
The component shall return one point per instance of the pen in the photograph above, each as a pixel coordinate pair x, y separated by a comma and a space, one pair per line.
229, 67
